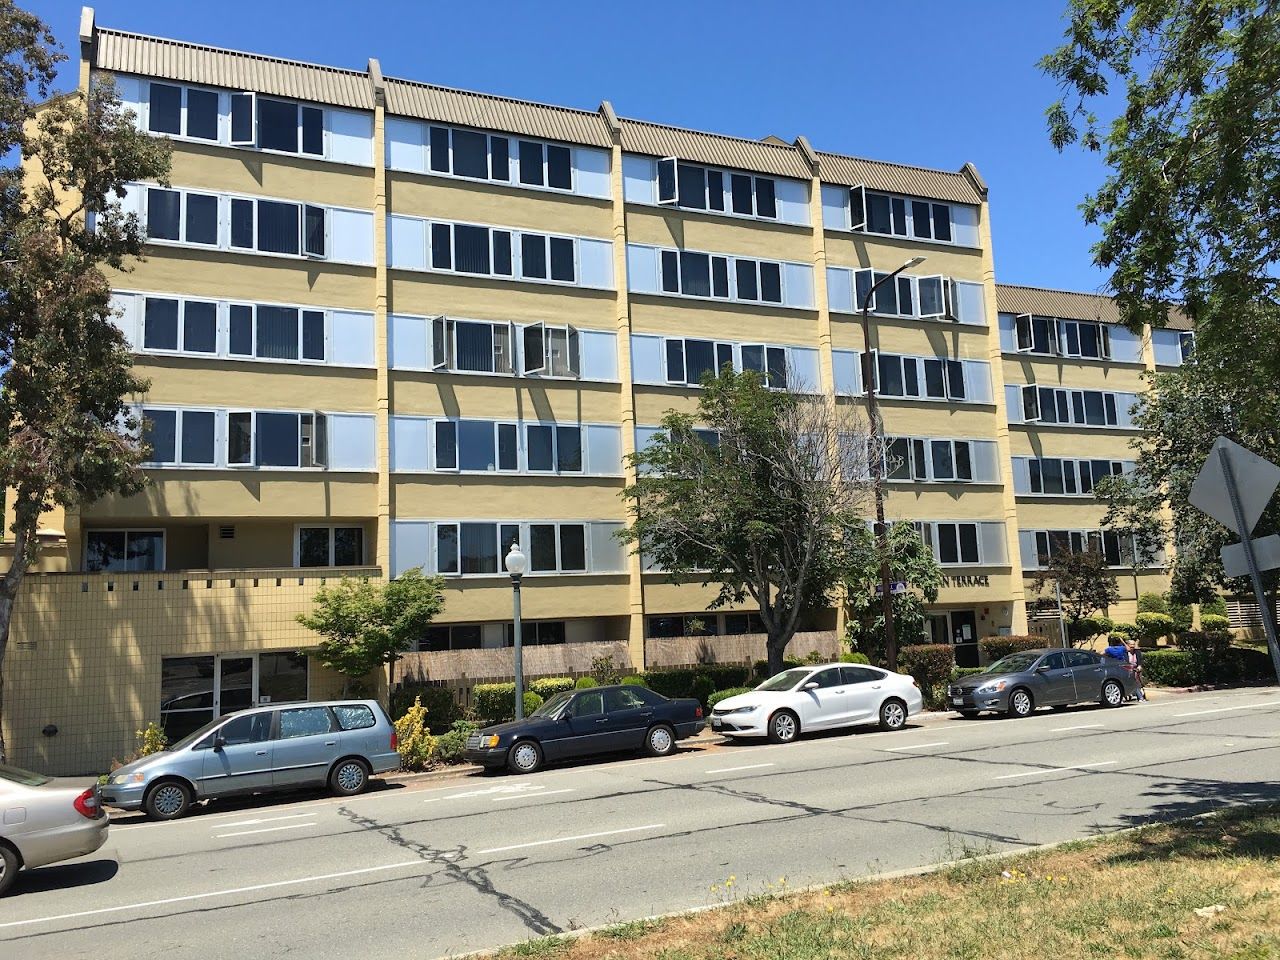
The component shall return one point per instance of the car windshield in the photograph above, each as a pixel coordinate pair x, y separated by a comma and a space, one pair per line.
1013, 663
552, 706
785, 680
24, 777
192, 737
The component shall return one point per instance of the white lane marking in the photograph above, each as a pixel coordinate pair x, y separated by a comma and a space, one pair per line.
749, 766
254, 823
581, 836
1076, 766
530, 796
1243, 706
1078, 726
517, 789
214, 893
917, 746
245, 833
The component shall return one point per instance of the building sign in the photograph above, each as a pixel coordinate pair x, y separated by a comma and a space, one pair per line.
967, 580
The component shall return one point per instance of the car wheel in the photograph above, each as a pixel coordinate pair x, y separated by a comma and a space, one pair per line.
968, 714
1112, 694
783, 727
1020, 703
349, 777
525, 756
167, 800
893, 715
8, 868
660, 741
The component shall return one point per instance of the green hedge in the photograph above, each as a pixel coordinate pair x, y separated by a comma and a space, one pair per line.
1153, 626
760, 669
994, 648
698, 682
548, 687
1187, 668
931, 665
855, 658
725, 695
585, 683
449, 746
633, 681
1214, 623
442, 709
496, 702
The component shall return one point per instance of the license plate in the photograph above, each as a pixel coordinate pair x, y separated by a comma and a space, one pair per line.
957, 700
715, 724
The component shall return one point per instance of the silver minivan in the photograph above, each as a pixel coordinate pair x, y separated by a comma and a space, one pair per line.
339, 744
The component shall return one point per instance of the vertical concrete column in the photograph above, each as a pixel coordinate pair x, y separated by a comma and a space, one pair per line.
380, 301
627, 398
1004, 452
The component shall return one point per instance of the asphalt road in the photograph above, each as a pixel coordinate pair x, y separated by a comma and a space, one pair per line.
424, 871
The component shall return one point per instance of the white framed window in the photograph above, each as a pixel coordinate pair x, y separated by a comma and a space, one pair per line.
180, 436
179, 325
421, 444
1069, 407
900, 216
940, 460
551, 350
1040, 546
964, 543
124, 550
694, 273
1054, 337
178, 110
328, 545
477, 547
501, 348
931, 378
1063, 477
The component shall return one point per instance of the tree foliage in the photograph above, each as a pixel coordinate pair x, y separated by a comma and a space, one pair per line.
67, 434
1190, 212
366, 624
911, 561
761, 505
1085, 585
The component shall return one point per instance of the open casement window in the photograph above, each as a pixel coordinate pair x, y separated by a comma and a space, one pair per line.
1104, 342
949, 300
442, 343
314, 440
1030, 404
314, 232
244, 119
1025, 336
240, 452
1186, 344
858, 207
668, 191
932, 298
561, 353
534, 349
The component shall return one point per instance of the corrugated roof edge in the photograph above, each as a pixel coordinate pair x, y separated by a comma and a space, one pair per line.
967, 175
495, 96
778, 144
1177, 319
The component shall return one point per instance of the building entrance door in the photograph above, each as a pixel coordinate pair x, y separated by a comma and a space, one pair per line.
959, 628
194, 690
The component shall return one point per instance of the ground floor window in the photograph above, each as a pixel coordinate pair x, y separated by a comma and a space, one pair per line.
704, 624
124, 550
196, 689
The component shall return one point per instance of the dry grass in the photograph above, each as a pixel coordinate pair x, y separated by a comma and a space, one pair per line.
1130, 896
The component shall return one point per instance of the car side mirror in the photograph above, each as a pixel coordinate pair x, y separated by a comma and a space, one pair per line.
1042, 669
219, 742
811, 685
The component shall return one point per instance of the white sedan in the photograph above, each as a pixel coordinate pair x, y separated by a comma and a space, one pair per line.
819, 698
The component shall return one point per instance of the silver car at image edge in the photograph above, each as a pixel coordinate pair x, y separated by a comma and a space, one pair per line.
43, 822
339, 744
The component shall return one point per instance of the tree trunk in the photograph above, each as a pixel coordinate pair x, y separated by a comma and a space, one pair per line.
9, 584
777, 648
6, 613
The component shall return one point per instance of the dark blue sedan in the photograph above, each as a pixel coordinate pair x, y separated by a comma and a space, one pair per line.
579, 723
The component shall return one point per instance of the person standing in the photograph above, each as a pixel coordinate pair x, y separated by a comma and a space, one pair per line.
1135, 664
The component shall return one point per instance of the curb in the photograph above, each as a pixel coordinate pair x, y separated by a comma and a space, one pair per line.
936, 867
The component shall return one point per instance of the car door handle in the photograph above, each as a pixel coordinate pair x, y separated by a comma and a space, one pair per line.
331, 743
840, 690
646, 715
260, 753
875, 686
603, 720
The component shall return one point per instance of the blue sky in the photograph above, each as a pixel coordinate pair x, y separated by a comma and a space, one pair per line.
951, 82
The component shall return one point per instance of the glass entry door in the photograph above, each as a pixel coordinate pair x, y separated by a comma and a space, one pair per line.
195, 690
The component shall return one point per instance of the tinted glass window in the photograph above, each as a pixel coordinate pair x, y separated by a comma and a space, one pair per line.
304, 722
161, 434
277, 125
695, 274
277, 335
254, 728
878, 216
587, 705
163, 214
533, 255
531, 163
439, 140
200, 327
542, 546
562, 259
539, 443
740, 189
826, 678
770, 282
1081, 658
569, 449
471, 248
313, 131
501, 252
241, 330
202, 218
441, 246
160, 324
239, 437
499, 160
622, 698
312, 335
242, 223
859, 675
573, 547
165, 113
470, 154
354, 716
766, 205
278, 227
202, 114
197, 436
348, 546
559, 169
479, 548
693, 186
1054, 661
745, 271
277, 439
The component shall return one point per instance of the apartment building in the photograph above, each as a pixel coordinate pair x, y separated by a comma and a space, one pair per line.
392, 325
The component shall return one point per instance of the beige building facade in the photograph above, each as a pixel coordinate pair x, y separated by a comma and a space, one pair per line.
392, 325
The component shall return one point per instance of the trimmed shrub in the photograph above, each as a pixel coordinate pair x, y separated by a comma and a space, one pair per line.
995, 648
1249, 663
931, 665
1217, 606
633, 681
442, 707
1124, 632
585, 683
548, 687
813, 657
760, 669
959, 672
1153, 626
449, 746
725, 695
703, 688
1087, 629
1152, 603
413, 738
692, 682
1181, 614
855, 658
496, 702
531, 701
1208, 655
1170, 668
1214, 623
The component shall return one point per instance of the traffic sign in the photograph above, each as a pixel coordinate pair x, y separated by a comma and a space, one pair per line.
1266, 551
897, 586
1256, 480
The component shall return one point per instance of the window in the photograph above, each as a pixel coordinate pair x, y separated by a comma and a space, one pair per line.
557, 547
1044, 545
267, 439
305, 722
330, 546
166, 114
535, 632
551, 351
689, 360
469, 345
1051, 476
1059, 405
1050, 336
964, 544
254, 728
281, 125
694, 274
183, 437
470, 548
354, 716
1186, 344
900, 216
477, 445
553, 449
123, 550
927, 377
704, 188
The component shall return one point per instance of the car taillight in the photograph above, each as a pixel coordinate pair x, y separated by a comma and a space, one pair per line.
395, 741
87, 804
697, 713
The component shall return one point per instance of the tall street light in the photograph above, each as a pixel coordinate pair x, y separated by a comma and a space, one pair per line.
516, 562
877, 463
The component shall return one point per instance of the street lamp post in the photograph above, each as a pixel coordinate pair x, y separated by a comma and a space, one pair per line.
516, 562
877, 463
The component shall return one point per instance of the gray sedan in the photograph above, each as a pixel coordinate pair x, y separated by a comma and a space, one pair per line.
42, 822
1021, 682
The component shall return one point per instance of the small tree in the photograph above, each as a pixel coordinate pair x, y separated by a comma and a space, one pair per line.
366, 624
67, 436
1086, 586
756, 493
912, 562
